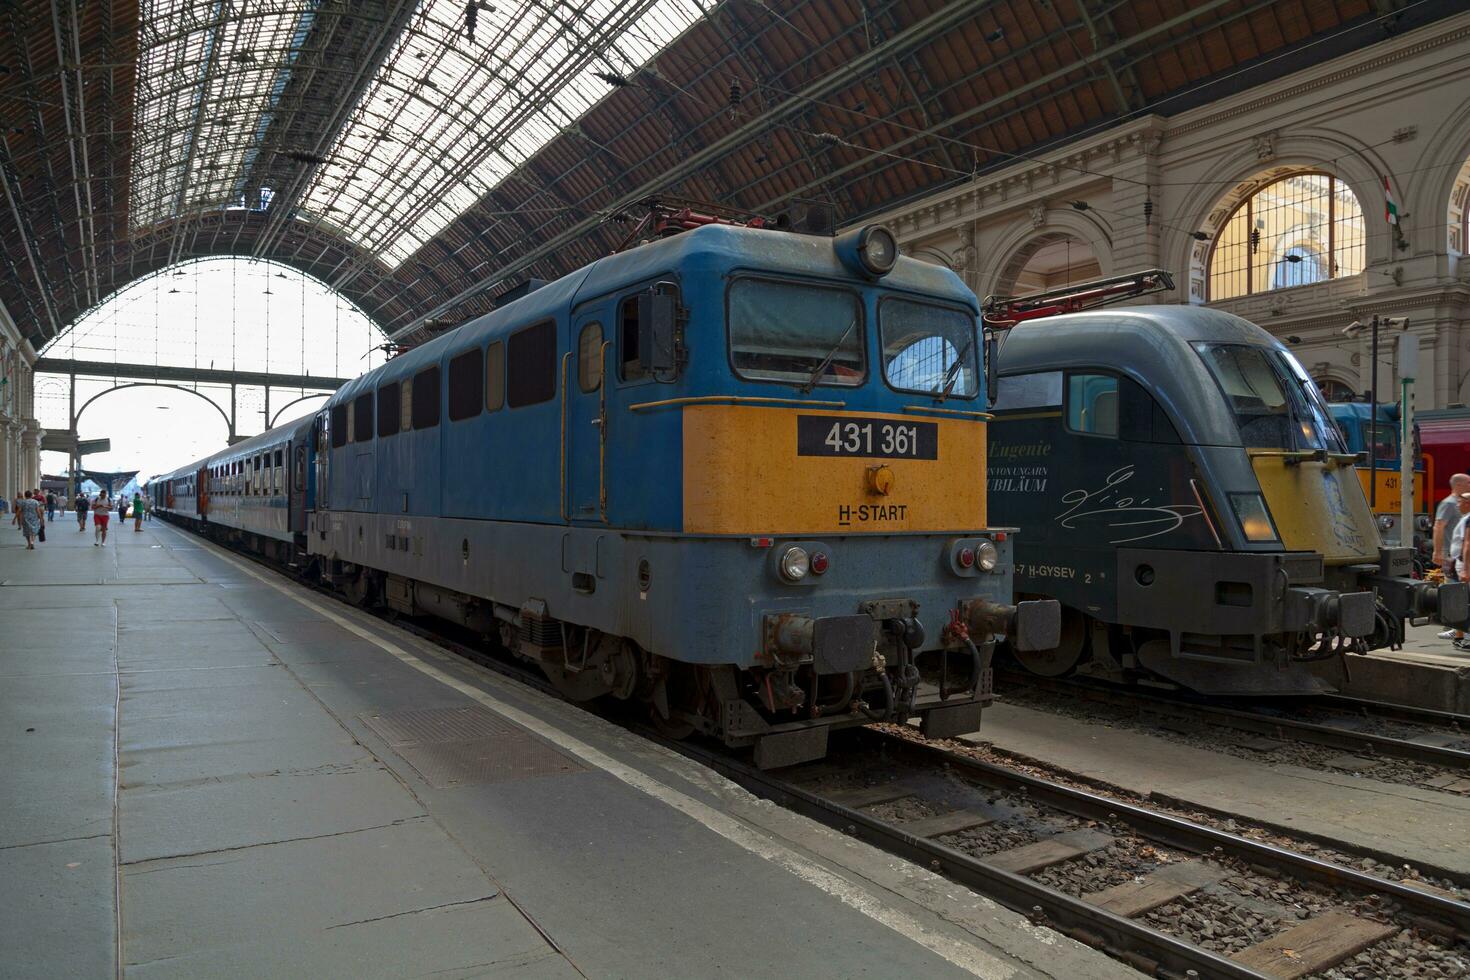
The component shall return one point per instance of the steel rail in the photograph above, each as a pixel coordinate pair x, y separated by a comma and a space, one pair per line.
1396, 712
1185, 834
1330, 736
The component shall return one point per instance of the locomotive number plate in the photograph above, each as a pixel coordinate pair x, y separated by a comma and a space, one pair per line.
832, 435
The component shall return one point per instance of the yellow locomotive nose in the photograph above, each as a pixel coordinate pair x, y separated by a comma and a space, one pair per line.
880, 480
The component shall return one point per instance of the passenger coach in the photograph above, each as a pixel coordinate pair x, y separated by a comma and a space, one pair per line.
735, 473
1182, 490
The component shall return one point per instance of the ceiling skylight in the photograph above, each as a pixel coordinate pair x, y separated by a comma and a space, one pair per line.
208, 74
447, 118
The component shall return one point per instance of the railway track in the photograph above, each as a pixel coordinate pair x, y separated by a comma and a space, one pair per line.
1106, 872
1424, 738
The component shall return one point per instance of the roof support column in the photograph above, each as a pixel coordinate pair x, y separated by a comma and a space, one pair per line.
1135, 224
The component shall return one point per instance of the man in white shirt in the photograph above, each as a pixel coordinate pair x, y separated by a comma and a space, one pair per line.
1446, 516
1459, 557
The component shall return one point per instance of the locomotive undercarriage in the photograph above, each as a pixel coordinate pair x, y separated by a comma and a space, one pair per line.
784, 709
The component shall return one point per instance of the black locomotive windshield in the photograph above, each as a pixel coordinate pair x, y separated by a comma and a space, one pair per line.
797, 333
1276, 405
928, 349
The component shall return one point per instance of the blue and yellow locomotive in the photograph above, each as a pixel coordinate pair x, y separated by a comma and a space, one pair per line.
735, 473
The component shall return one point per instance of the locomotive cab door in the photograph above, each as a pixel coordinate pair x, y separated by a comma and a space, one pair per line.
585, 420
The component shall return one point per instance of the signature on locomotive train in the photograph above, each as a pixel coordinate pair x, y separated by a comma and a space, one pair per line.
1132, 519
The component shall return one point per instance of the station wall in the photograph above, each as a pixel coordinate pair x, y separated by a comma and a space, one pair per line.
20, 433
1394, 109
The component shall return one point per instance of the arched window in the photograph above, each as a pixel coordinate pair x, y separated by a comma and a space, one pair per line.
1293, 231
1336, 391
1299, 265
1459, 216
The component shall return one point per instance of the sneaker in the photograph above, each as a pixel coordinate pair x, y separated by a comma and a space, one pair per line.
1446, 634
1463, 643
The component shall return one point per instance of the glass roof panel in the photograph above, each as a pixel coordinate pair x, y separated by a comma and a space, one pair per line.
209, 74
446, 119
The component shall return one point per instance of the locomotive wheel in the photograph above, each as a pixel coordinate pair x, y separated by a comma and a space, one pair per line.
1065, 656
675, 728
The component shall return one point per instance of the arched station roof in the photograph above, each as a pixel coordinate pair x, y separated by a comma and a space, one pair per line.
424, 156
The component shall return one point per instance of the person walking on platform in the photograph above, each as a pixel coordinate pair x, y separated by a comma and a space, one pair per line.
30, 518
122, 507
101, 514
1446, 516
50, 506
137, 511
81, 505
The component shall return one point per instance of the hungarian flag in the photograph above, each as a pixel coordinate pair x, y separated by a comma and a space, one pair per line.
1390, 206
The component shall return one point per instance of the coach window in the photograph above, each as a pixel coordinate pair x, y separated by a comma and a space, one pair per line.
339, 426
280, 472
389, 409
530, 365
495, 377
426, 398
362, 418
630, 366
466, 385
589, 357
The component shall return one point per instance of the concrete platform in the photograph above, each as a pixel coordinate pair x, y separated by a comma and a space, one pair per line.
210, 771
1427, 827
1426, 673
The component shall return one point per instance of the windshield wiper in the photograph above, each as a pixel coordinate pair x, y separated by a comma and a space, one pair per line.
811, 382
952, 373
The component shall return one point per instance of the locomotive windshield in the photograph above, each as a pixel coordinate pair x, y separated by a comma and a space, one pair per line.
928, 349
1276, 405
797, 333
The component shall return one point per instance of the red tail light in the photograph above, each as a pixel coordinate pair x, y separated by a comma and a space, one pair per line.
819, 563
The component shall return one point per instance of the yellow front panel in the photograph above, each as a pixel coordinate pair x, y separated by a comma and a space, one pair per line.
742, 475
1318, 506
1390, 491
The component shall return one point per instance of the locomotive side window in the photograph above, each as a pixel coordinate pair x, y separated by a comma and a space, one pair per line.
426, 398
1040, 390
1092, 404
339, 426
589, 357
405, 406
630, 366
389, 410
362, 418
466, 385
495, 377
928, 349
530, 365
796, 333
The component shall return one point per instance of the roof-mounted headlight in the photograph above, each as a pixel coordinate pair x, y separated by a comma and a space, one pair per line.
871, 251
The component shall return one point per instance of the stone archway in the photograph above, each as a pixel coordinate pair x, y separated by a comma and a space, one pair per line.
1065, 246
